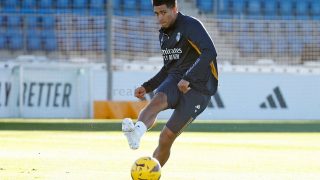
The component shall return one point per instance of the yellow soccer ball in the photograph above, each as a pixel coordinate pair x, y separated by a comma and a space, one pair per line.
147, 168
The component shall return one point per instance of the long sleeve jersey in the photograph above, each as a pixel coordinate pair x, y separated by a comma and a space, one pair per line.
188, 53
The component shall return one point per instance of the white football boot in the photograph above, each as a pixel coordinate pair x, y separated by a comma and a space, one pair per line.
129, 131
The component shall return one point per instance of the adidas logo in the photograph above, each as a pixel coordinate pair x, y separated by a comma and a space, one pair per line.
275, 100
217, 100
197, 107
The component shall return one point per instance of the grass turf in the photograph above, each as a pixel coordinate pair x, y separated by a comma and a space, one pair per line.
197, 126
206, 156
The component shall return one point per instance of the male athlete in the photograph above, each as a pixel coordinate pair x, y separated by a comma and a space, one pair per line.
186, 82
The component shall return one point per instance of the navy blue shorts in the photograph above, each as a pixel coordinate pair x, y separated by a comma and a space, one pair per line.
187, 106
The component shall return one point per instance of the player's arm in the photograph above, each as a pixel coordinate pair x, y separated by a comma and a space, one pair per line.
154, 82
200, 40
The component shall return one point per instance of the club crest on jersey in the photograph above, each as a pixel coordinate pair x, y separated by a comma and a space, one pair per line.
161, 41
178, 36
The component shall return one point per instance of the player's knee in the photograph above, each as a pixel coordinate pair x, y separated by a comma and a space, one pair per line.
167, 137
164, 143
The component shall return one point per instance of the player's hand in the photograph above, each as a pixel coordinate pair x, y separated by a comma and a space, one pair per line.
183, 86
140, 92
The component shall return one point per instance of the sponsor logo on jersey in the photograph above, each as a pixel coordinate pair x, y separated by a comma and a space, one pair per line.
171, 54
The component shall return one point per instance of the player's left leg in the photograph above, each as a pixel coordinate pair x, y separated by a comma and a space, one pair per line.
189, 107
166, 140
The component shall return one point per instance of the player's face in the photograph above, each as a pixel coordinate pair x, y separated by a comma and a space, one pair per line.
165, 16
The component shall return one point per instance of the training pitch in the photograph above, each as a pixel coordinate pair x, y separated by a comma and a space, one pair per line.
87, 155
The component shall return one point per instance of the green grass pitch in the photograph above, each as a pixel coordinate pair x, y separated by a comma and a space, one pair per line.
98, 155
105, 155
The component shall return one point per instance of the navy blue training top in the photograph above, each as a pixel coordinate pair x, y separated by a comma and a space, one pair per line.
188, 53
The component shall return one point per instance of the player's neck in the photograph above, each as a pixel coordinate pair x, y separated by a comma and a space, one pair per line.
175, 17
173, 23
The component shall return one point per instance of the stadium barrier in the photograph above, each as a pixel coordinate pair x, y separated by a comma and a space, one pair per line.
259, 92
45, 90
117, 109
67, 90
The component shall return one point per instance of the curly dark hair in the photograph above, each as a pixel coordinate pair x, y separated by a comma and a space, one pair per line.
169, 3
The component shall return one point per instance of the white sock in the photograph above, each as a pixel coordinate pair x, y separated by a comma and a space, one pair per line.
140, 128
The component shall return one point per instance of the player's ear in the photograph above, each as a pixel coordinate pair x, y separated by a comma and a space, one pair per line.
174, 9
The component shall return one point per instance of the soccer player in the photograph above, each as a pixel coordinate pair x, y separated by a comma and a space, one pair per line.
185, 83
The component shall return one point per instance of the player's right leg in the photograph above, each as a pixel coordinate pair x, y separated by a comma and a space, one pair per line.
146, 119
127, 129
166, 97
190, 105
149, 113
